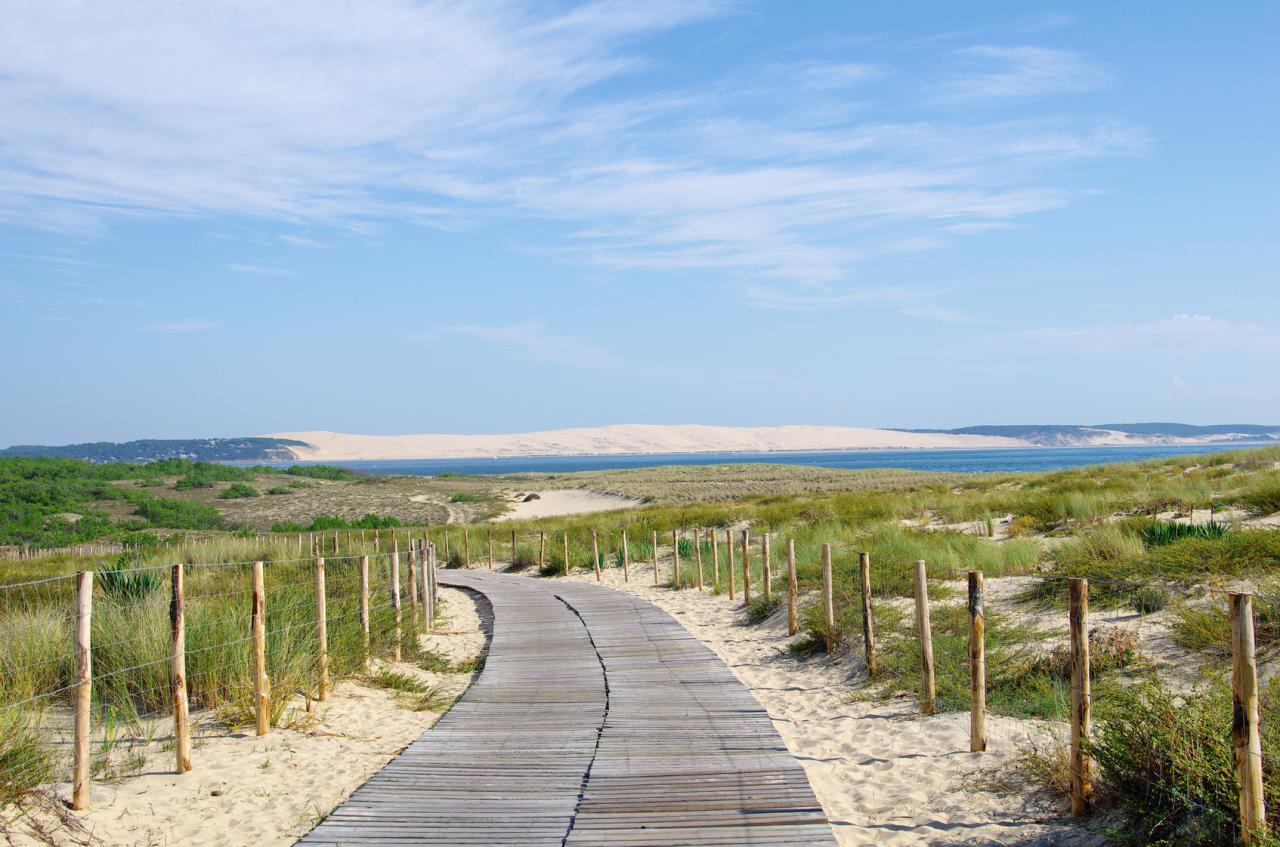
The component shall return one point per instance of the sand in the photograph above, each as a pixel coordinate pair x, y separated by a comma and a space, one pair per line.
567, 502
883, 774
627, 439
245, 790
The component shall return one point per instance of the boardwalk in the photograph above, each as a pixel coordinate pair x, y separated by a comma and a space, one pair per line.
597, 721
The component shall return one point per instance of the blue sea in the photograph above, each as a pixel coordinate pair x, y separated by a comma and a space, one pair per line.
966, 461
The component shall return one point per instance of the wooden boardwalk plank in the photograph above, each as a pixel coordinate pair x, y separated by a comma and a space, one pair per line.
598, 720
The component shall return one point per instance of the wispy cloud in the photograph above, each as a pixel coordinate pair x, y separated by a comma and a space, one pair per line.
1179, 334
183, 327
1018, 72
531, 340
258, 270
300, 241
906, 302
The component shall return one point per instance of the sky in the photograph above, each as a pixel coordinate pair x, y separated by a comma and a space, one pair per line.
396, 217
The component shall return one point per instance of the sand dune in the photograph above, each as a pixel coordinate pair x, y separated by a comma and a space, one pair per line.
623, 439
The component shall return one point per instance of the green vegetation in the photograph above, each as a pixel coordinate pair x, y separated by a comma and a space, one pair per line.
328, 522
237, 491
467, 497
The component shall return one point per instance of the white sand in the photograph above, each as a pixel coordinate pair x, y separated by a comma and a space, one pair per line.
627, 439
246, 791
883, 774
565, 502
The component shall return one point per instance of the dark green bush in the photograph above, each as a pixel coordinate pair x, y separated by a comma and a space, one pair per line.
237, 491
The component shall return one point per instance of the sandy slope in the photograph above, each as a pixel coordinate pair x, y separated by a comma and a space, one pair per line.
568, 502
625, 439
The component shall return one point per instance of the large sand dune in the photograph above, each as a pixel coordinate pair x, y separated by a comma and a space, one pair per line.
626, 439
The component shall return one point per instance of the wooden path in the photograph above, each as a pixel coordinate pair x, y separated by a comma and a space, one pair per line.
597, 721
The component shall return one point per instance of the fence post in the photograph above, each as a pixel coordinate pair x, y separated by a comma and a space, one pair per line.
1081, 701
1244, 722
424, 584
828, 599
446, 544
697, 554
728, 547
84, 688
413, 585
768, 573
542, 549
513, 548
257, 631
431, 586
746, 567
466, 547
868, 622
626, 558
364, 603
335, 542
715, 558
675, 559
322, 633
977, 666
490, 549
655, 557
928, 688
395, 595
791, 586
595, 553
566, 552
178, 670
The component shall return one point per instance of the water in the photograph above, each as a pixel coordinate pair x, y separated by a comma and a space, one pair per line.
967, 461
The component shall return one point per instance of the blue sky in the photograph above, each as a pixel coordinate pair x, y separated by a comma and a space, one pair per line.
394, 217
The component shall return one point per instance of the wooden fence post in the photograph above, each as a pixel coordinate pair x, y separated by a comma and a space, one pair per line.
490, 549
728, 548
364, 603
395, 595
868, 621
513, 548
595, 553
431, 586
1081, 698
424, 584
828, 599
322, 633
413, 586
928, 688
84, 689
257, 631
626, 559
765, 568
675, 559
566, 552
792, 589
977, 666
446, 544
697, 554
542, 549
1244, 723
715, 558
746, 567
466, 547
655, 557
178, 670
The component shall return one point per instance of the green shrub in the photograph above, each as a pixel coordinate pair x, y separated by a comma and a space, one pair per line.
126, 581
761, 609
26, 761
467, 497
237, 491
278, 489
1262, 495
1150, 598
1160, 533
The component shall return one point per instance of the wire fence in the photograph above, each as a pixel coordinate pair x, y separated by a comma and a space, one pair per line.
102, 670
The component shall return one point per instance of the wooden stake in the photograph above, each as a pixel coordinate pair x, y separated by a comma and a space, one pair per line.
335, 542
446, 544
542, 549
746, 567
792, 588
178, 671
655, 557
364, 603
868, 620
322, 633
466, 547
977, 666
395, 595
728, 548
257, 632
928, 688
513, 548
431, 586
566, 552
413, 586
675, 559
1081, 696
768, 574
595, 553
626, 558
84, 688
828, 600
1244, 723
697, 553
715, 559
490, 549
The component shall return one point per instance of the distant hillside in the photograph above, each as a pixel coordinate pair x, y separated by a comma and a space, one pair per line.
154, 449
1075, 435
